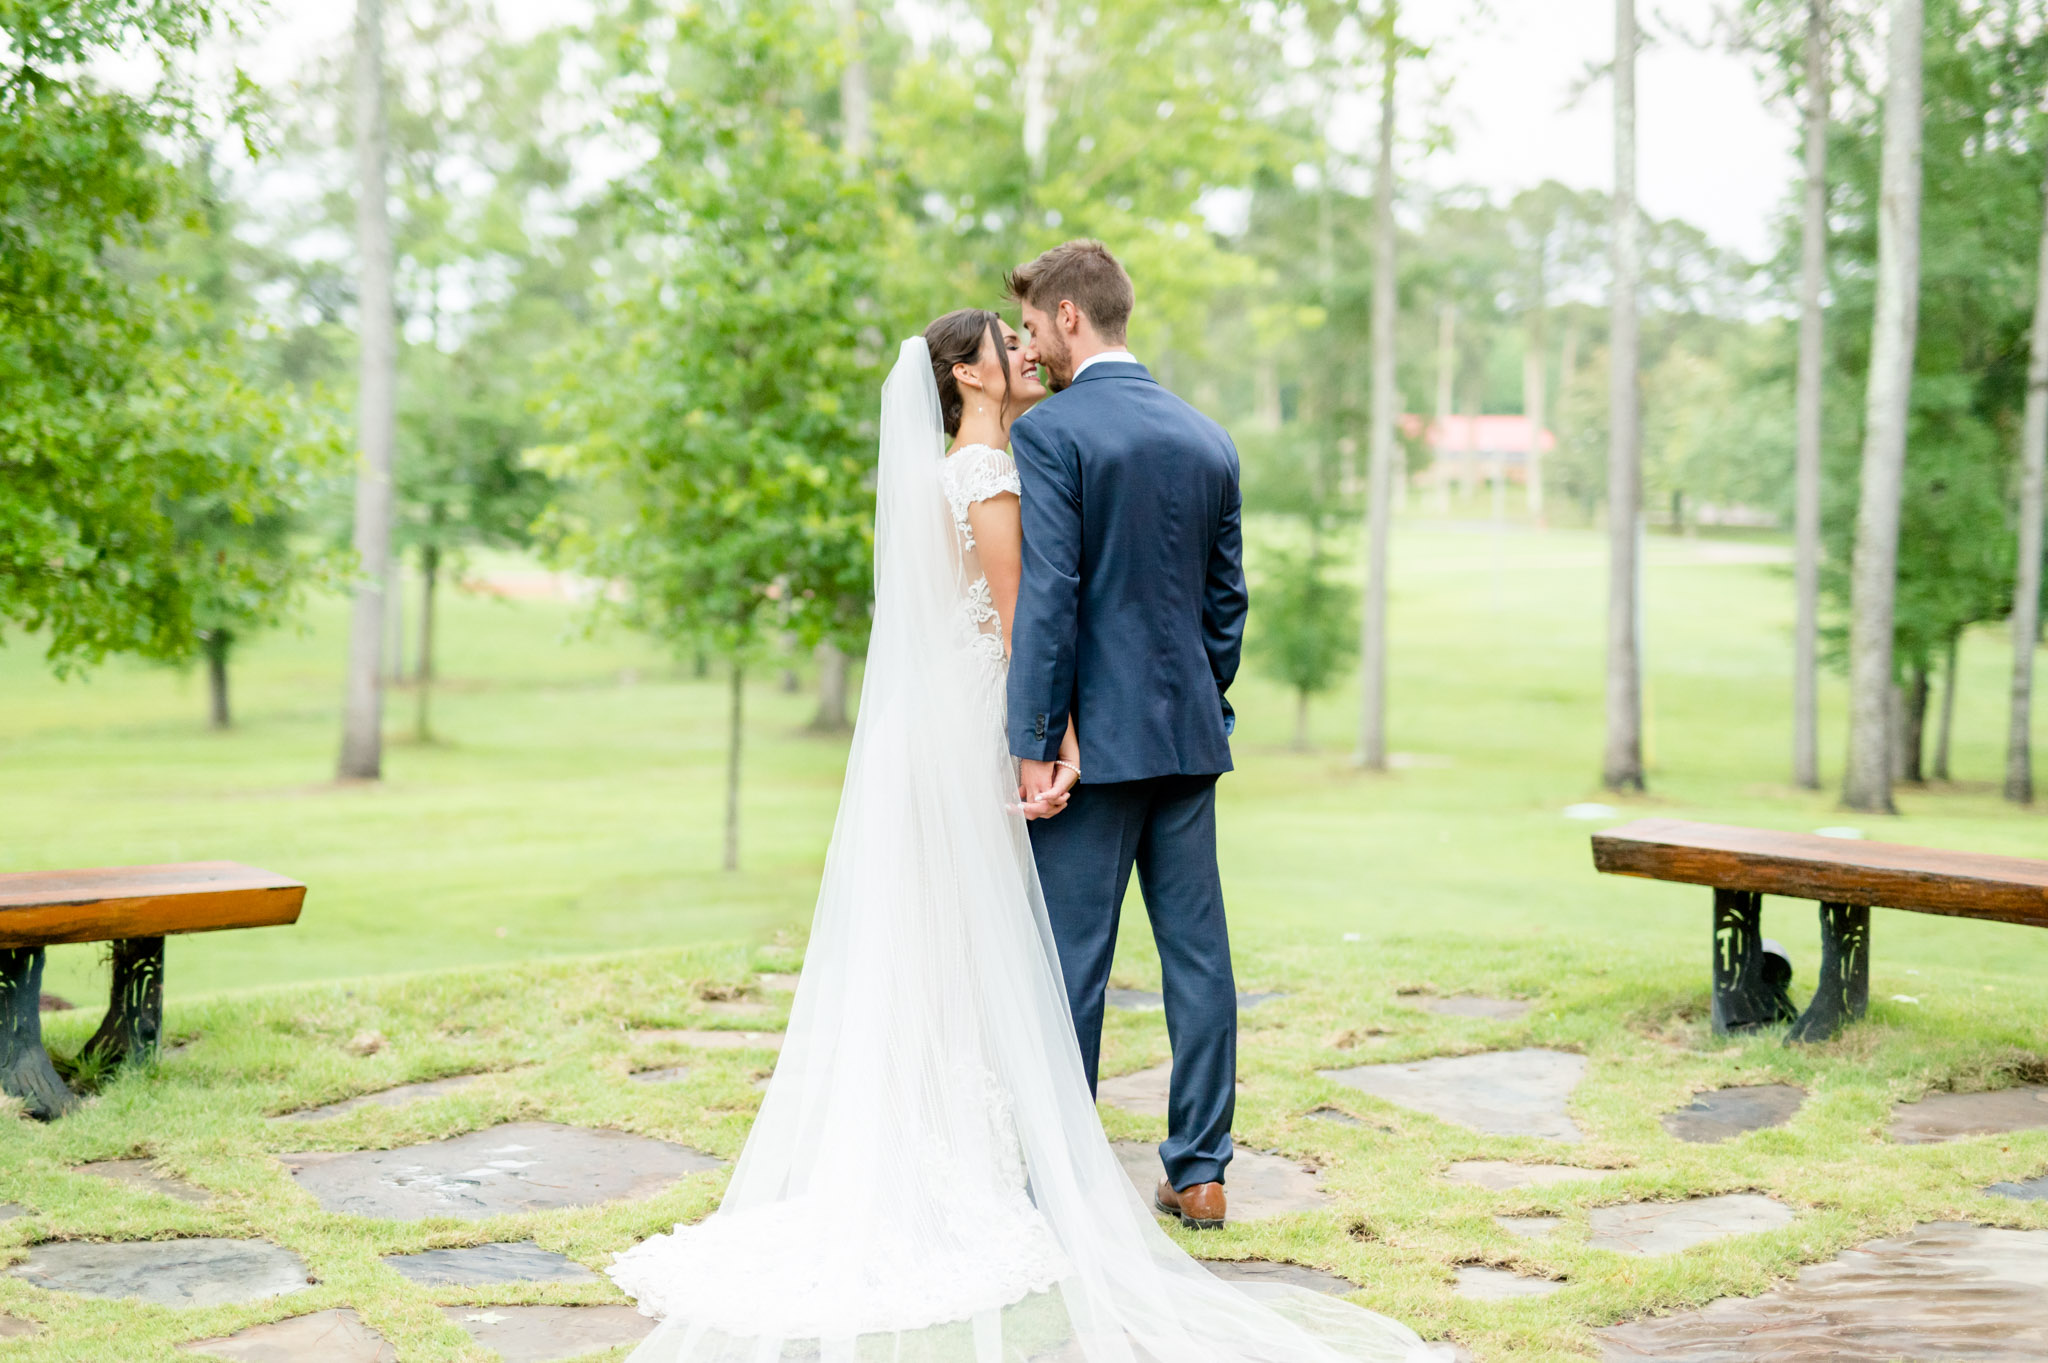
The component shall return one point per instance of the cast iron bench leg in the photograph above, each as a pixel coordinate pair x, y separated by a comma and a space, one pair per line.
1844, 993
1749, 983
25, 1069
135, 1012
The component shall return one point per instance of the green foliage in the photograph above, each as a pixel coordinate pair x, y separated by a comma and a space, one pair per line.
117, 413
1304, 625
730, 403
1980, 225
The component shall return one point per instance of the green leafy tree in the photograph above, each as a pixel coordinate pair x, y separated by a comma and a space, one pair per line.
729, 404
1304, 626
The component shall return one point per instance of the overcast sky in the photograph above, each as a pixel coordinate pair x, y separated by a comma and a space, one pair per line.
1710, 150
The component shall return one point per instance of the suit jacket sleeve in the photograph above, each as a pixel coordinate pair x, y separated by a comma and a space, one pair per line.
1225, 600
1044, 634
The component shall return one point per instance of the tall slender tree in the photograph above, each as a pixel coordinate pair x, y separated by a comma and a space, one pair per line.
1867, 785
1813, 245
1622, 767
362, 739
2026, 597
1372, 737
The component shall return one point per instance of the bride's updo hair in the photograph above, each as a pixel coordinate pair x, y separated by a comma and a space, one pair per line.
956, 339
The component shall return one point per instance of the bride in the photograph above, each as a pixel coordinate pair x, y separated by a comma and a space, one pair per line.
928, 1181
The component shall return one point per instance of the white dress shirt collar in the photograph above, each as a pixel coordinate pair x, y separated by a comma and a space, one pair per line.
1118, 356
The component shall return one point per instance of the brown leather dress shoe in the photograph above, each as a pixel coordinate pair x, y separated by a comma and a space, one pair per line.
1200, 1206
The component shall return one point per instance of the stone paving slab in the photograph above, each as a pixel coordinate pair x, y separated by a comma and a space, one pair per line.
391, 1097
777, 983
1721, 1114
1143, 1092
337, 1336
1646, 1228
518, 1167
1477, 1006
199, 1272
489, 1265
142, 1177
14, 1327
1266, 1271
1476, 1282
2027, 1190
1952, 1116
1259, 1185
713, 1039
544, 1334
1530, 1227
10, 1210
1503, 1093
672, 1074
752, 1009
1502, 1176
1335, 1116
1943, 1291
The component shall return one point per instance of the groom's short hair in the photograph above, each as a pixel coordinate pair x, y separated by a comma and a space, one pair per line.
1084, 273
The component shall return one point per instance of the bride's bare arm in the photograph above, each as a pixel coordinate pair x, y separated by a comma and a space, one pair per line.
998, 528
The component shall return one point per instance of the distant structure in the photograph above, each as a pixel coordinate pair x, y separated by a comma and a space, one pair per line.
1472, 450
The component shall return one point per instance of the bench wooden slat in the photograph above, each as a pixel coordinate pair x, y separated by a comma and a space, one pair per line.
1833, 870
44, 908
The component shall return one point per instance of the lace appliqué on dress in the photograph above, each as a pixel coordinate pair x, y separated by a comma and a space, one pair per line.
973, 474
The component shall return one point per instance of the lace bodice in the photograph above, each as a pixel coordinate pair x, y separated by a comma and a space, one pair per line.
975, 473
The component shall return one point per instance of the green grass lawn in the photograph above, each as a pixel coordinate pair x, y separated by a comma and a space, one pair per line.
571, 809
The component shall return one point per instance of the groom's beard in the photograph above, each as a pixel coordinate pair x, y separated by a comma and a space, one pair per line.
1058, 366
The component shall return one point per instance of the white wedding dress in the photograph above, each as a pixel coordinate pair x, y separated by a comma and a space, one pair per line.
928, 1181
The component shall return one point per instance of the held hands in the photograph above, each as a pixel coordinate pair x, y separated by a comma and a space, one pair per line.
1045, 788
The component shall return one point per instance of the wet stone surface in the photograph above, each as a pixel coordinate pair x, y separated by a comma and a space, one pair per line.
201, 1272
2027, 1190
1476, 1282
1530, 1227
543, 1334
518, 1167
673, 1074
1504, 1176
1266, 1271
337, 1336
1667, 1227
714, 1040
1503, 1093
138, 1175
391, 1097
487, 1265
1721, 1114
1477, 1006
1258, 1185
1952, 1116
1946, 1290
1143, 1092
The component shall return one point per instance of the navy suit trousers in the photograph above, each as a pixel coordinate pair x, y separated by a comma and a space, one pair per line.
1166, 827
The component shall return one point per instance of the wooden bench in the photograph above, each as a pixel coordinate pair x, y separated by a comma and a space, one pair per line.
1847, 876
133, 907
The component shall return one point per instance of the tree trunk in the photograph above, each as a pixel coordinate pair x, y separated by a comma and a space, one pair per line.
1948, 707
1302, 742
394, 600
423, 673
1913, 728
217, 644
1874, 569
1446, 385
362, 740
1038, 64
732, 768
1534, 382
853, 85
1372, 731
1622, 765
1813, 241
2026, 596
832, 699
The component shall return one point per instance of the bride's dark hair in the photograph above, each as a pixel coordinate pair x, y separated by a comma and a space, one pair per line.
956, 339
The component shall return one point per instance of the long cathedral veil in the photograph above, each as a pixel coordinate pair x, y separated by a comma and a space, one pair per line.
928, 1180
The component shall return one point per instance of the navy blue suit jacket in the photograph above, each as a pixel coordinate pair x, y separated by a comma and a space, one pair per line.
1131, 612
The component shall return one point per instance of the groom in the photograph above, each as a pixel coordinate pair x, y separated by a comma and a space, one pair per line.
1128, 626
